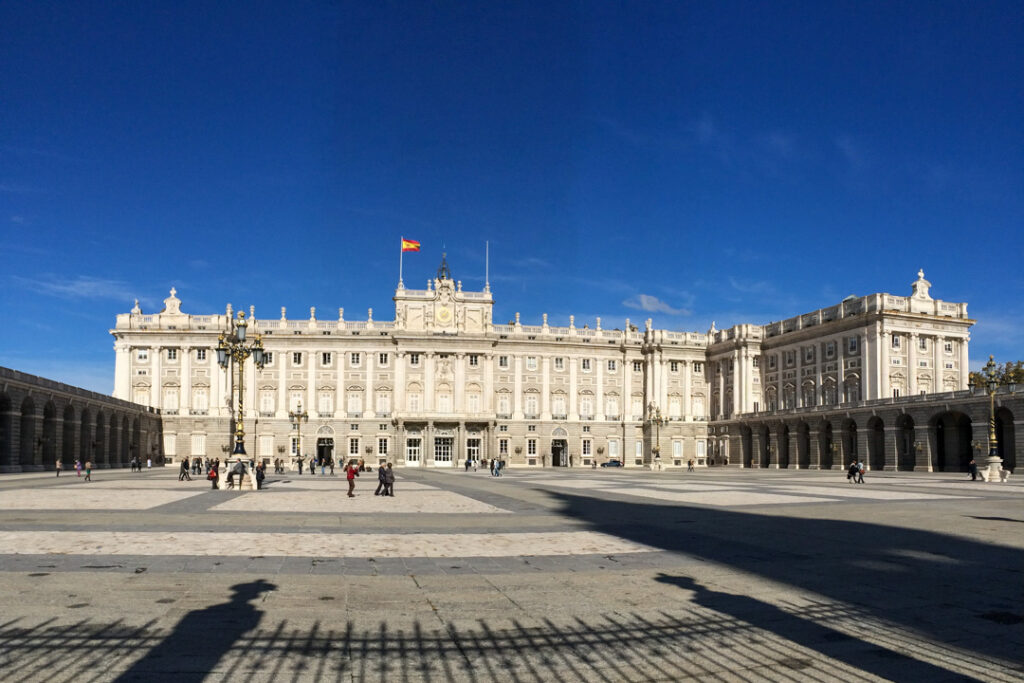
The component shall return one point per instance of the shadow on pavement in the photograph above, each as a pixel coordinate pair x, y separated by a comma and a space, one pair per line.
202, 638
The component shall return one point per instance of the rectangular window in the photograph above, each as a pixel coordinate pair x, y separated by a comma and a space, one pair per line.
677, 450
355, 359
611, 366
296, 358
638, 450
531, 405
412, 449
200, 354
613, 448
325, 358
531, 446
586, 429
503, 428
295, 401
673, 366
585, 448
809, 354
830, 349
638, 366
531, 362
268, 357
355, 403
382, 446
559, 364
443, 448
353, 446
382, 360
503, 404
199, 444
325, 404
414, 359
473, 402
922, 343
474, 360
698, 368
444, 402
142, 354
772, 361
503, 446
266, 445
851, 345
502, 361
756, 361
172, 354
200, 400
895, 341
948, 346
267, 402
585, 364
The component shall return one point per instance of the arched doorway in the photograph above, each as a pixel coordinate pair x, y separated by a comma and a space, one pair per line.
49, 439
765, 455
325, 444
7, 459
747, 446
26, 457
905, 446
827, 445
803, 446
952, 442
784, 447
1006, 438
85, 439
99, 447
876, 443
559, 448
849, 436
67, 450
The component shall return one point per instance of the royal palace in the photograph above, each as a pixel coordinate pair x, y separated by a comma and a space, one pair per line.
441, 382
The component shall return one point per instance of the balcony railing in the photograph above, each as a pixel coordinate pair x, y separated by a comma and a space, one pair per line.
559, 416
325, 414
196, 411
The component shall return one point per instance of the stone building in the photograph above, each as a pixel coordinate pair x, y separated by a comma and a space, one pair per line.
42, 421
441, 381
438, 383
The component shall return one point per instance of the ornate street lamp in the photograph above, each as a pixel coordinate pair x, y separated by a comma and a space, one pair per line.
655, 418
232, 349
297, 418
994, 462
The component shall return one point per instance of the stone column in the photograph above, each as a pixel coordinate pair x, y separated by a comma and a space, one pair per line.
545, 388
814, 449
687, 390
964, 369
488, 406
429, 376
863, 446
155, 362
399, 405
892, 448
755, 448
517, 390
185, 363
370, 409
884, 390
927, 436
573, 390
774, 451
599, 390
282, 359
912, 362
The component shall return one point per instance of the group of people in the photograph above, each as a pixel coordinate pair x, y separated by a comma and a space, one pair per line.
855, 472
79, 465
324, 462
385, 481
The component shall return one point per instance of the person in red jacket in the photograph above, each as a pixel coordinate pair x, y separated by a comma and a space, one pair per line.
351, 472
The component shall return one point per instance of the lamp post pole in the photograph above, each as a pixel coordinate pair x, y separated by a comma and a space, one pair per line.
994, 462
232, 348
655, 418
297, 417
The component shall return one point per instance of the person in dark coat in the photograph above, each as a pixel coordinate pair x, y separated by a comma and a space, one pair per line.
381, 482
389, 481
972, 468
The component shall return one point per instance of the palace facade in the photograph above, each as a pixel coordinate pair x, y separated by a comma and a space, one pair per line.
442, 382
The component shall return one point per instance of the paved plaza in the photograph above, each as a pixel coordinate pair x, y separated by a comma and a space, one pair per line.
543, 575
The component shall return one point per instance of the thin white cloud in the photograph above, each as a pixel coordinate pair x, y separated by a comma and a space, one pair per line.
19, 220
853, 152
751, 287
652, 304
81, 287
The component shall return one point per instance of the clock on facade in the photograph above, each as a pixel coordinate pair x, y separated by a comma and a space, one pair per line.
444, 314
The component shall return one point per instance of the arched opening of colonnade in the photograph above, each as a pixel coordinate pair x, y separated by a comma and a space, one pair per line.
764, 456
803, 446
951, 450
7, 459
28, 434
826, 445
876, 443
67, 449
905, 444
747, 446
849, 440
1006, 438
784, 447
48, 442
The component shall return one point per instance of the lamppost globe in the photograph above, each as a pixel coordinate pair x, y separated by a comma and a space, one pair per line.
232, 349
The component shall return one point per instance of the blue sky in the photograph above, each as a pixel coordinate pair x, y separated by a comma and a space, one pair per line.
690, 162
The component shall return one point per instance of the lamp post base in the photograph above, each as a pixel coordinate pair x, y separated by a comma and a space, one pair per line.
993, 471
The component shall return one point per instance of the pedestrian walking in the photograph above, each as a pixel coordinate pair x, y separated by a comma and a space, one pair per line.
300, 465
260, 475
78, 468
852, 471
689, 465
323, 466
60, 466
351, 472
214, 474
860, 472
972, 469
381, 482
389, 481
330, 464
88, 470
149, 463
183, 474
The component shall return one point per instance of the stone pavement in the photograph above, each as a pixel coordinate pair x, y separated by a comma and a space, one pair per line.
566, 575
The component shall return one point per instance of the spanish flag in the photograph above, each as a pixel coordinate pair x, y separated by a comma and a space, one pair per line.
410, 245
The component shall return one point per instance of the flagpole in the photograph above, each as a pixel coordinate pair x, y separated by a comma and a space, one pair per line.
487, 265
401, 253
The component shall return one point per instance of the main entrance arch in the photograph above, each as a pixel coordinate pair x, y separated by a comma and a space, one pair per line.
952, 451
